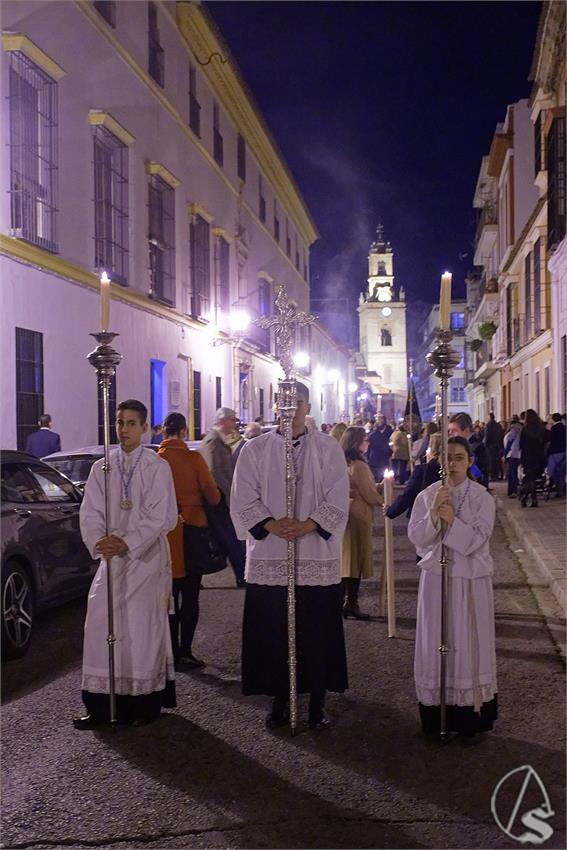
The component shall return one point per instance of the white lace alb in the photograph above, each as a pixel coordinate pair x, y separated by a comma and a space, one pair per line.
273, 572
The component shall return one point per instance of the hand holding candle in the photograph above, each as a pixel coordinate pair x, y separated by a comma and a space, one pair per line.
104, 301
445, 302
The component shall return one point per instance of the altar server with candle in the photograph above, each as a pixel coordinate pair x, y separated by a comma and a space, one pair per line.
143, 510
466, 511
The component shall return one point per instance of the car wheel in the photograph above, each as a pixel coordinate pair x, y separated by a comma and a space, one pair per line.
17, 610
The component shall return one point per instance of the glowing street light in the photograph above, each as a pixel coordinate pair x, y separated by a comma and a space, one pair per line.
333, 375
352, 387
239, 321
301, 359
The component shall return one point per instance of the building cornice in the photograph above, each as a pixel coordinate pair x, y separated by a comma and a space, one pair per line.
544, 340
203, 42
12, 42
158, 170
195, 208
97, 117
31, 255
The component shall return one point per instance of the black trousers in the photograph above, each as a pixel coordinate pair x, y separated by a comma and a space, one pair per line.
513, 464
184, 621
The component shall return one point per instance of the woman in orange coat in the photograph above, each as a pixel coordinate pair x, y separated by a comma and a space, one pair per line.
194, 485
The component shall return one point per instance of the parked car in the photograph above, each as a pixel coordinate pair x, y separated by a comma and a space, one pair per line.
76, 465
44, 560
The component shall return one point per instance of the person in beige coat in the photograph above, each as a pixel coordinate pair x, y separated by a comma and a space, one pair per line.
400, 454
356, 561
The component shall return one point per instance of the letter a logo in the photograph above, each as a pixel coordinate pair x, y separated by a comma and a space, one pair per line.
512, 813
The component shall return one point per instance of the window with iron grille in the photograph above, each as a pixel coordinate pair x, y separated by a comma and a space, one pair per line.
156, 55
218, 144
194, 105
538, 157
197, 404
537, 286
556, 183
107, 10
528, 292
111, 204
287, 239
224, 275
112, 412
457, 390
29, 383
218, 392
241, 157
161, 240
305, 272
563, 371
296, 253
261, 400
457, 321
509, 322
200, 268
264, 309
261, 199
33, 153
276, 222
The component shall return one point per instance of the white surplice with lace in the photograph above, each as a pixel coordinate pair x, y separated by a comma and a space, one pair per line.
471, 660
322, 494
141, 580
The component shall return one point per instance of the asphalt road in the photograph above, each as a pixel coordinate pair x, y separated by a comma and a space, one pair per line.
211, 774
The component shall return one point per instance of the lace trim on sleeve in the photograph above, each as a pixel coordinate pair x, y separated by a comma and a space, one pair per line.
252, 516
328, 516
307, 572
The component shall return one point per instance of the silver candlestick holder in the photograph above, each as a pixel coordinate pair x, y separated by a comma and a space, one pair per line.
443, 358
105, 359
285, 322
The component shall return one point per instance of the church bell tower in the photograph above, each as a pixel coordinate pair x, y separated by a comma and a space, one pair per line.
382, 322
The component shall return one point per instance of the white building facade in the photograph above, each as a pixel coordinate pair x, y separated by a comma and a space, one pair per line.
125, 149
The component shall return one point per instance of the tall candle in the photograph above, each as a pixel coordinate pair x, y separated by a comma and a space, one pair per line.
445, 302
104, 301
389, 554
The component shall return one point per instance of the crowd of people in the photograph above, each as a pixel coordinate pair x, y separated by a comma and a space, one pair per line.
165, 517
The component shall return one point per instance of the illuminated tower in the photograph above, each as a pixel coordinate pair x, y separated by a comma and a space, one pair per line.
382, 322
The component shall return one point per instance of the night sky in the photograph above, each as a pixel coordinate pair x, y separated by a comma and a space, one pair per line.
383, 111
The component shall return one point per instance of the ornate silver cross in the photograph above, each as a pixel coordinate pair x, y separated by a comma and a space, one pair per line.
285, 322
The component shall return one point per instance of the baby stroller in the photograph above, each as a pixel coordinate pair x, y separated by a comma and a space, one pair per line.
541, 487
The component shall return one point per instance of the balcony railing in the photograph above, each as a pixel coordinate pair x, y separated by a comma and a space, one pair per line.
488, 215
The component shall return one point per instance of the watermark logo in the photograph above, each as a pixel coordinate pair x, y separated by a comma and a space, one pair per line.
515, 819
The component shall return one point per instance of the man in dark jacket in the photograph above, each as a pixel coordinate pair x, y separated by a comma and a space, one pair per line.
45, 441
461, 425
556, 453
493, 440
379, 451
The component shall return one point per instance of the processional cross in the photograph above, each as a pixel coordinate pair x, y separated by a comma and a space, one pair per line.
285, 322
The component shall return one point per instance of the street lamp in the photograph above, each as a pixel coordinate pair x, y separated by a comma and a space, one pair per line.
301, 359
352, 387
239, 321
333, 375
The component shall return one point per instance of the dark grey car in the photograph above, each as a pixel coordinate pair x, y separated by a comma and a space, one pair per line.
44, 560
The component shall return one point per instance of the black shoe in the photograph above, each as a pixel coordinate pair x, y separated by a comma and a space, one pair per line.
352, 610
191, 661
86, 722
279, 715
241, 582
319, 720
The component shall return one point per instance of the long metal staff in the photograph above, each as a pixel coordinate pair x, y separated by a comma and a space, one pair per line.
410, 398
285, 322
443, 358
105, 359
